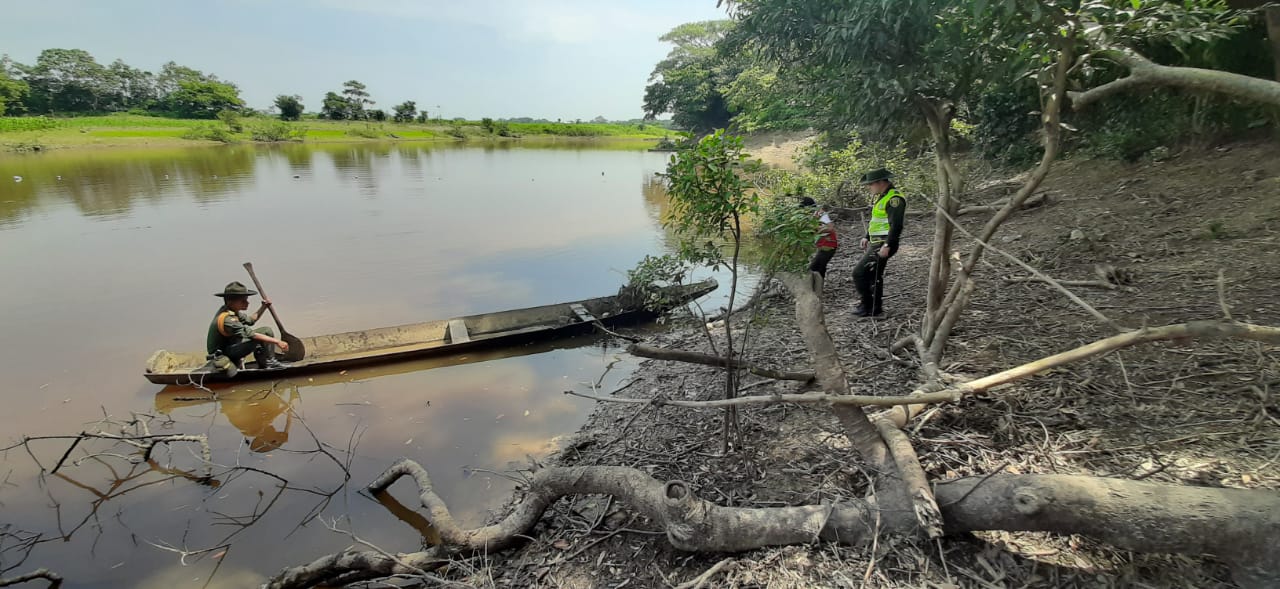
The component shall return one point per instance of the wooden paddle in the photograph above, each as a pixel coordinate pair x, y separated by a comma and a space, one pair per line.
296, 350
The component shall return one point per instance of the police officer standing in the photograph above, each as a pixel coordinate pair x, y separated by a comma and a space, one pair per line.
881, 241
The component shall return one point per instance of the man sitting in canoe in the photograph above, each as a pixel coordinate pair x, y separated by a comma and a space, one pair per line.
232, 335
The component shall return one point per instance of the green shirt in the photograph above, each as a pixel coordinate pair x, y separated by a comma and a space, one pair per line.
238, 326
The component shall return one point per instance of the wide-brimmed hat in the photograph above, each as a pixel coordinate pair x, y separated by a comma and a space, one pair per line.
876, 176
235, 289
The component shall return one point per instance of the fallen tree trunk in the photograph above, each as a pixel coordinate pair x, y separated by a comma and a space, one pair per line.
709, 360
1240, 526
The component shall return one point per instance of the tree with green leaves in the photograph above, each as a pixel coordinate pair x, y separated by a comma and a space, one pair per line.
357, 98
66, 80
689, 82
12, 93
405, 111
204, 99
130, 87
711, 196
334, 107
290, 107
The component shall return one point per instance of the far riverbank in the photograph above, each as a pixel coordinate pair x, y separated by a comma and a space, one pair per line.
23, 134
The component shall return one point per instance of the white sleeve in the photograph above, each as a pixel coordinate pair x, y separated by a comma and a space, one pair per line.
825, 219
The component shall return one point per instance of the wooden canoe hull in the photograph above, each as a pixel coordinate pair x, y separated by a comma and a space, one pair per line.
341, 351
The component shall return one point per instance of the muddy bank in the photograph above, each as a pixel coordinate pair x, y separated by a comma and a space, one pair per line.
1192, 415
779, 149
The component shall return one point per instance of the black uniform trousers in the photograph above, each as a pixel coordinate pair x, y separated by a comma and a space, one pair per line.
868, 277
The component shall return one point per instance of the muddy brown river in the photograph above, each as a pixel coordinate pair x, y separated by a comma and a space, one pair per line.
108, 255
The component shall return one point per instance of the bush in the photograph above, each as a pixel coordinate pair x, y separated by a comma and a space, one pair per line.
277, 131
368, 131
211, 132
834, 174
455, 130
14, 124
232, 119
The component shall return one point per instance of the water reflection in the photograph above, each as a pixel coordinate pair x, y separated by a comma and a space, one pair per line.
110, 183
253, 412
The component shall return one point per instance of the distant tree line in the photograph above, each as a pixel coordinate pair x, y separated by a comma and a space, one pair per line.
71, 81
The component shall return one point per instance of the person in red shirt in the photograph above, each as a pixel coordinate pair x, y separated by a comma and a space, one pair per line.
827, 242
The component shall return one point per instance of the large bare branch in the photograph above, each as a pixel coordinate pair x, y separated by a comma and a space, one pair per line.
913, 478
830, 373
1144, 72
1193, 330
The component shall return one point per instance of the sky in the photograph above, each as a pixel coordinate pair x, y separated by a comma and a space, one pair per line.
553, 59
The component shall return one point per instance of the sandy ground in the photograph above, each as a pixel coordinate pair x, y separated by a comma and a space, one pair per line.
779, 149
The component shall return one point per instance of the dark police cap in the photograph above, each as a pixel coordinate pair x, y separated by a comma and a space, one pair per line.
876, 176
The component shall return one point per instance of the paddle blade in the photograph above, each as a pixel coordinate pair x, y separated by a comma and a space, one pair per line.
297, 351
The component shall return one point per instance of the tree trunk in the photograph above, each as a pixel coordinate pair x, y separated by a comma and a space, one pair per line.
830, 372
1052, 131
939, 115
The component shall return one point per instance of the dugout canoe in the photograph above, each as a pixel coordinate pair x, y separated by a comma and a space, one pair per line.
340, 351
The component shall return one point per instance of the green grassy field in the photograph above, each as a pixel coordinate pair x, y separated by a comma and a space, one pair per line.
23, 133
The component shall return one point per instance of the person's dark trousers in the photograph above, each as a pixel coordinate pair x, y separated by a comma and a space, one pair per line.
262, 353
820, 259
868, 277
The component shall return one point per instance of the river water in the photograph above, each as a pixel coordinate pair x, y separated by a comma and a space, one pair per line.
108, 255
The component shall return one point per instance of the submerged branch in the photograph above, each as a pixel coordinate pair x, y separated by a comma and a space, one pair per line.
54, 579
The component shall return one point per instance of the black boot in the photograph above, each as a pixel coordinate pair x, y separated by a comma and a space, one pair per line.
862, 311
266, 356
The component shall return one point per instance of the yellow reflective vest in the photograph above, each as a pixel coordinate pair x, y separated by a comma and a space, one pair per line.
879, 226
